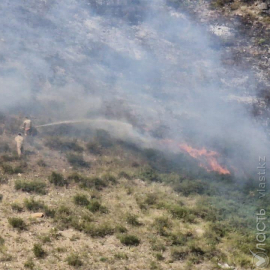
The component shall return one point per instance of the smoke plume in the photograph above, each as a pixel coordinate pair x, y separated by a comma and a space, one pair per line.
141, 63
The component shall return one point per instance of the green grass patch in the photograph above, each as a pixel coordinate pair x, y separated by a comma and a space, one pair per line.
17, 223
31, 186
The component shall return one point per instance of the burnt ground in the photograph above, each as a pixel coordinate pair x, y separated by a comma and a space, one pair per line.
249, 47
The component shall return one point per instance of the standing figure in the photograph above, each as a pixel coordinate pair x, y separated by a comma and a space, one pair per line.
19, 142
27, 126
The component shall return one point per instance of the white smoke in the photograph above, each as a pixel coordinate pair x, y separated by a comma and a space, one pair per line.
142, 63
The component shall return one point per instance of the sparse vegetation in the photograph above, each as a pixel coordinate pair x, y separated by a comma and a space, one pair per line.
177, 216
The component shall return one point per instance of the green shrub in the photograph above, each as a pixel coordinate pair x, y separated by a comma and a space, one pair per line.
206, 210
33, 205
64, 217
58, 179
133, 220
192, 187
159, 257
162, 224
129, 240
4, 147
29, 264
220, 3
157, 244
17, 223
2, 241
151, 199
147, 200
7, 169
16, 207
120, 229
74, 260
19, 169
96, 206
121, 256
41, 163
77, 178
1, 197
98, 230
103, 138
31, 186
93, 182
109, 178
178, 211
39, 252
49, 212
219, 228
9, 158
3, 180
179, 253
94, 148
178, 239
77, 160
81, 200
125, 175
148, 174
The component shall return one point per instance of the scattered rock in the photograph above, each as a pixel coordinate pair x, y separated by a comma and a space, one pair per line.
263, 6
225, 266
37, 215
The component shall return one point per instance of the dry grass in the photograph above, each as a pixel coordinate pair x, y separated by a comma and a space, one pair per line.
104, 216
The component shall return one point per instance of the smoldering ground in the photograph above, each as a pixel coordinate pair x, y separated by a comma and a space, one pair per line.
145, 64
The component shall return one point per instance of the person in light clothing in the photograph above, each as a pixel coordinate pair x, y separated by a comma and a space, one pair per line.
19, 141
27, 126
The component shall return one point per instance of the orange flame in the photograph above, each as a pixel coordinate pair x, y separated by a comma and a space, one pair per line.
208, 159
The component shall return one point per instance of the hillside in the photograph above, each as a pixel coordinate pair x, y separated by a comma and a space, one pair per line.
109, 204
150, 119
